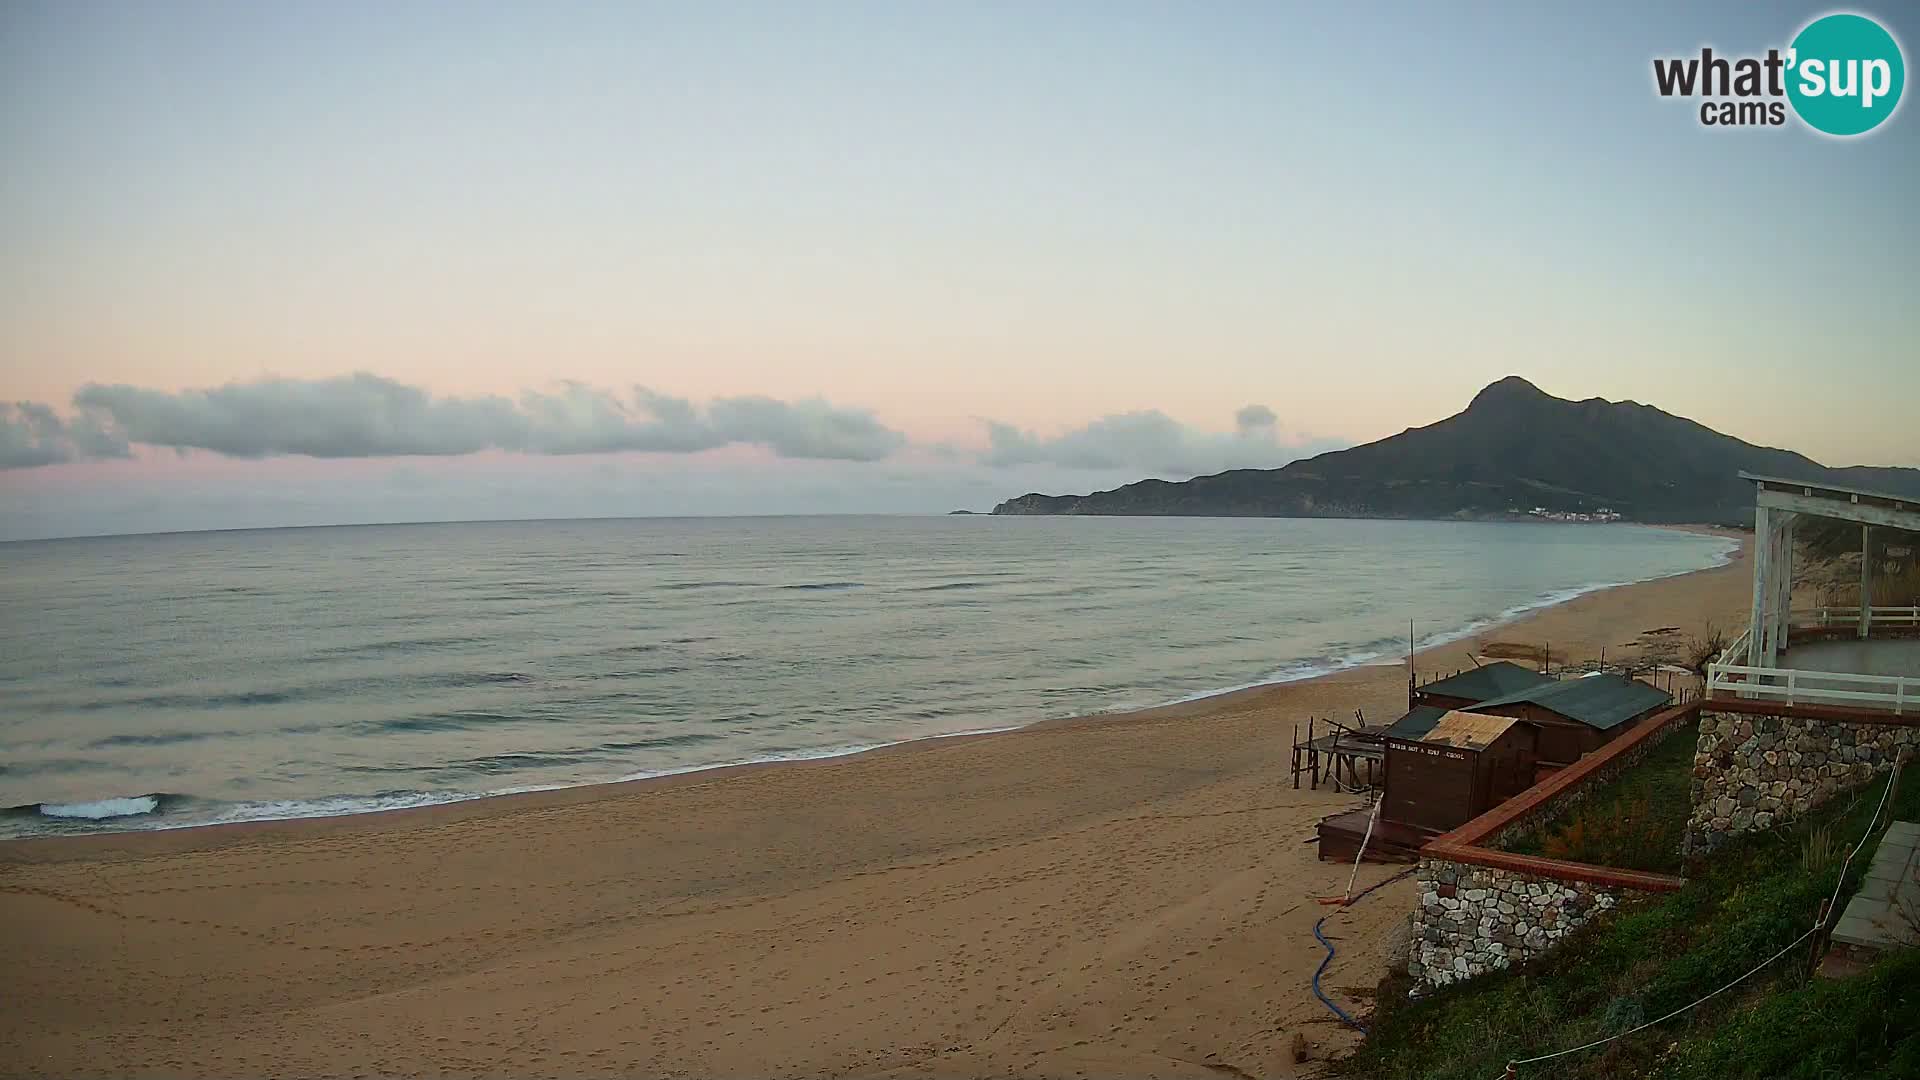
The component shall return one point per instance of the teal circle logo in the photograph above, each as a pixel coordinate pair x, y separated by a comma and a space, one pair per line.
1845, 74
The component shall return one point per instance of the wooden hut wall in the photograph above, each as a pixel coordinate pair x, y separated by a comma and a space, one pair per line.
1561, 741
1507, 767
1443, 701
1429, 786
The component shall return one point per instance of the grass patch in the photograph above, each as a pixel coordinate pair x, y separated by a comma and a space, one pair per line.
1651, 956
1633, 821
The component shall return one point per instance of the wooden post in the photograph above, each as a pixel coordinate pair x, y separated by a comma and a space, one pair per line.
1757, 624
1819, 937
1296, 755
1866, 580
1313, 755
1785, 574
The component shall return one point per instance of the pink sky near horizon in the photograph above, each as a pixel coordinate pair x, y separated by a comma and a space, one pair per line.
1039, 216
1351, 402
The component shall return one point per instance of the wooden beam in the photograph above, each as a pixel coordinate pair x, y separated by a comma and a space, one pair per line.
1907, 517
1784, 617
1757, 624
1866, 580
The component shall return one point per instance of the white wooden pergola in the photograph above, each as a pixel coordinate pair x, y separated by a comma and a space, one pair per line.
1778, 504
1751, 665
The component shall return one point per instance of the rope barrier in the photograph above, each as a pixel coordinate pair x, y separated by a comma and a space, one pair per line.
1872, 822
1375, 816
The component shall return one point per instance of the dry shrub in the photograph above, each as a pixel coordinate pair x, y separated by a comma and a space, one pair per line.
1705, 648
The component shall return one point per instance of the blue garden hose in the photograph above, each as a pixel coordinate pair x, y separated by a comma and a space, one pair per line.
1328, 959
1324, 961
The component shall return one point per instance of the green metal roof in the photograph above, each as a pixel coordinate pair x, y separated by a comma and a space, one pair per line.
1598, 701
1415, 725
1498, 679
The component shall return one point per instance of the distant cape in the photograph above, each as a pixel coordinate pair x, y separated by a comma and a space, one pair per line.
1513, 449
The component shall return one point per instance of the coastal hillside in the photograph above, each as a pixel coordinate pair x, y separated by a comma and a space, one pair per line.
1514, 447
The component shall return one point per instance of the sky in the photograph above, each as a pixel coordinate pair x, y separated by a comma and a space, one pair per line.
301, 263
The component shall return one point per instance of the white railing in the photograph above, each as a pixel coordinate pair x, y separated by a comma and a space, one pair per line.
1738, 646
1797, 687
1826, 617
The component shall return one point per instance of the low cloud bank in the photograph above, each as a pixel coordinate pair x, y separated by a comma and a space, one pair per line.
1153, 442
366, 415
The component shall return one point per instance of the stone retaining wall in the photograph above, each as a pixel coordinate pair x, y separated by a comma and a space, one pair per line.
1476, 919
1753, 771
1482, 909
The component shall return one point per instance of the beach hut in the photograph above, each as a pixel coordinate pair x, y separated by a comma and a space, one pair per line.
1442, 768
1484, 683
1463, 765
1576, 716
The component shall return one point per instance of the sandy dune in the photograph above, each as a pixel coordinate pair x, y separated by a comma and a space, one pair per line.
1128, 895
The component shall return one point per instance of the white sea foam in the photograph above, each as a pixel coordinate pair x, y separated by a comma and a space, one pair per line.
349, 805
1304, 670
102, 808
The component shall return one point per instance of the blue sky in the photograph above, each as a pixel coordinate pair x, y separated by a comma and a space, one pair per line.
934, 216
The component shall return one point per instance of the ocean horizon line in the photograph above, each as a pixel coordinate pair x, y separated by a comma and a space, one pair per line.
831, 515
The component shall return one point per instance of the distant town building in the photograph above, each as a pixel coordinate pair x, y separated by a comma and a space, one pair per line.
1604, 514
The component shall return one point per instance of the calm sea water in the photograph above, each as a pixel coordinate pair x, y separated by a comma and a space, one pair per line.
155, 681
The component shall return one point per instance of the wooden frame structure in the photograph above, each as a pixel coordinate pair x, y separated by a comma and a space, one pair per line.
1345, 748
1750, 666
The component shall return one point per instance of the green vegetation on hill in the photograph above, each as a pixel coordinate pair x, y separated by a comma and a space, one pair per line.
1513, 447
1633, 821
1651, 956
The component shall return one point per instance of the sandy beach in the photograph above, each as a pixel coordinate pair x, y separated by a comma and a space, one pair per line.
1120, 895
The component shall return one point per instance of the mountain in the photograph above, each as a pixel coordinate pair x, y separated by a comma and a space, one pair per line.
1514, 446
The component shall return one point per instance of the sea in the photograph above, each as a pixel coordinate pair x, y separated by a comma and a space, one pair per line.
194, 678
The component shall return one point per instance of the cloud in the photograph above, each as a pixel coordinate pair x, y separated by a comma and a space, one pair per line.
805, 429
1154, 443
32, 434
1252, 418
351, 416
365, 415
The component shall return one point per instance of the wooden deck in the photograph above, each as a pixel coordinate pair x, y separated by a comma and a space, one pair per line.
1393, 841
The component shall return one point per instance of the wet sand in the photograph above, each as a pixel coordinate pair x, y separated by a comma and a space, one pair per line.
1123, 895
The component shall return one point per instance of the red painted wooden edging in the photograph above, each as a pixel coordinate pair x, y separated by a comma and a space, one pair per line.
1463, 844
1554, 869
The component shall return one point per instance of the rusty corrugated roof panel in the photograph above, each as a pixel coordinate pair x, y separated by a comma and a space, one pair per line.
1469, 731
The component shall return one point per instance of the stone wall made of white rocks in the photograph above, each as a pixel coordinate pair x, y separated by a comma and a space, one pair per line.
1755, 772
1476, 919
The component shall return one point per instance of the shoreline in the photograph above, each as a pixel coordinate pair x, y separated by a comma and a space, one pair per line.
466, 806
1126, 894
